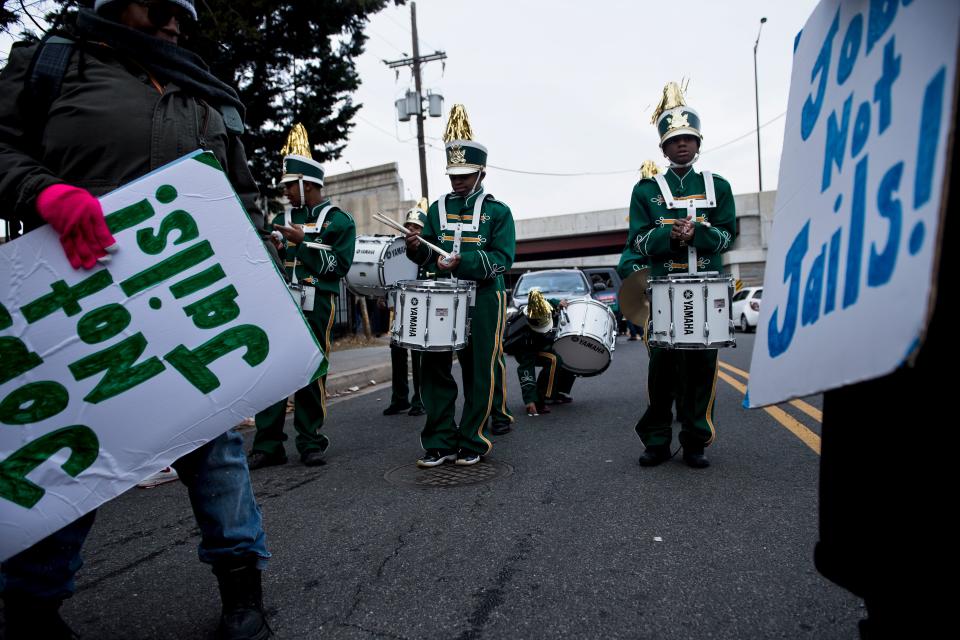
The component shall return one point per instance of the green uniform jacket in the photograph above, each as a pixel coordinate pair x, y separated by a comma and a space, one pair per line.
650, 223
320, 267
486, 252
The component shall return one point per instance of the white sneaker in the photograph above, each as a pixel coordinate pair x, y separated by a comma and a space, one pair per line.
165, 475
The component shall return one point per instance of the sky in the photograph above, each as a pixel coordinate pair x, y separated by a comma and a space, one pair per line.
564, 87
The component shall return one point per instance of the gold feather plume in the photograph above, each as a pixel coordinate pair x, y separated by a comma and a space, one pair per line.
458, 126
297, 142
648, 169
537, 306
672, 97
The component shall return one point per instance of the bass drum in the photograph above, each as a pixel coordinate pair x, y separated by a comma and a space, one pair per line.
586, 338
379, 262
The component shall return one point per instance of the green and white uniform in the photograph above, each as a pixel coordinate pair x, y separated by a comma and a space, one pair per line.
553, 378
481, 230
322, 270
687, 375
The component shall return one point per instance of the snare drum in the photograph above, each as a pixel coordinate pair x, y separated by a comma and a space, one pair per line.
586, 337
378, 263
432, 315
691, 311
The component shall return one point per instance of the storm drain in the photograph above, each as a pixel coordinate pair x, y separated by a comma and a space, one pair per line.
448, 475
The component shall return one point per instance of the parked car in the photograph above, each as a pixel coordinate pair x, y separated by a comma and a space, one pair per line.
745, 308
605, 283
569, 284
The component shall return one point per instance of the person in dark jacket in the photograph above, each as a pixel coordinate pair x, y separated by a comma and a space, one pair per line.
131, 101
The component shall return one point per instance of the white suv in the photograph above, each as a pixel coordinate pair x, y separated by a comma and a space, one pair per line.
746, 308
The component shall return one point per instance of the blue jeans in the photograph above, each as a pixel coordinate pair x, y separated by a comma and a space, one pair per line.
221, 495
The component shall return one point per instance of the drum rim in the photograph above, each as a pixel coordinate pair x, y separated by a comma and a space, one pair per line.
434, 285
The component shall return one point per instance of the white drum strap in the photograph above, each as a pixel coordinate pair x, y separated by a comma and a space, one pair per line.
691, 206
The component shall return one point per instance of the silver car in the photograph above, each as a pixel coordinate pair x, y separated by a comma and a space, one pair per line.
563, 284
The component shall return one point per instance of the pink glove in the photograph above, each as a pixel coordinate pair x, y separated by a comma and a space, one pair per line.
78, 217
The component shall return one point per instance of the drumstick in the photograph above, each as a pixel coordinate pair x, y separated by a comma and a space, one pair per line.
318, 245
399, 227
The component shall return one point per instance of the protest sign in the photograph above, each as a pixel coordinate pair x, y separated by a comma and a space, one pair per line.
109, 375
856, 229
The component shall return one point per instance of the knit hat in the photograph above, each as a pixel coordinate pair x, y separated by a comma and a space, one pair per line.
186, 4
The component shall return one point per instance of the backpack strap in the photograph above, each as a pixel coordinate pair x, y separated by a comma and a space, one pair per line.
47, 68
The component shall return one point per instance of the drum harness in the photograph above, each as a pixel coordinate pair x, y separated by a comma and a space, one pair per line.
306, 299
691, 206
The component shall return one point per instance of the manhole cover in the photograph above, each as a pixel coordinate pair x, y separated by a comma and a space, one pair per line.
448, 475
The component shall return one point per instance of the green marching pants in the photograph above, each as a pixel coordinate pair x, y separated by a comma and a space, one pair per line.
553, 378
310, 402
478, 363
499, 411
690, 378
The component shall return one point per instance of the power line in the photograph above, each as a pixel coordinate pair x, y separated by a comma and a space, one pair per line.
575, 174
746, 135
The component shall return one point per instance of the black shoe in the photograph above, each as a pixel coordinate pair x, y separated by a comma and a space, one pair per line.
242, 615
467, 458
29, 618
435, 458
259, 460
560, 398
500, 428
654, 456
695, 459
416, 411
313, 459
394, 409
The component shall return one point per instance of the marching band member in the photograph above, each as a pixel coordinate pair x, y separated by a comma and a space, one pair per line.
478, 231
553, 380
319, 270
662, 235
400, 389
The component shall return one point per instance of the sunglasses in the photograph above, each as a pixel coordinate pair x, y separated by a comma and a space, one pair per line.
159, 14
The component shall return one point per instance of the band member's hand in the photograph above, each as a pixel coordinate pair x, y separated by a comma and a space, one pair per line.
413, 241
448, 264
293, 233
563, 304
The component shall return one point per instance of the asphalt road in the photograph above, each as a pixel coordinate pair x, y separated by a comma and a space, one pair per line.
577, 542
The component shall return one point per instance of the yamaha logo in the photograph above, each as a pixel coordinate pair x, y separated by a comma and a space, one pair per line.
414, 301
687, 294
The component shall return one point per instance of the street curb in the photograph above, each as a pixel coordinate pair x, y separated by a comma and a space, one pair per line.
342, 381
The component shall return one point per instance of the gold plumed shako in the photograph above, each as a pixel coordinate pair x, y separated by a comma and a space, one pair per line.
673, 117
298, 162
417, 215
464, 155
539, 312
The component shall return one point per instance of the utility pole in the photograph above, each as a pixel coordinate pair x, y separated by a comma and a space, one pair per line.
756, 97
416, 61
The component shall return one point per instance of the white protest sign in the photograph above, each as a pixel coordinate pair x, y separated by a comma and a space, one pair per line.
857, 218
111, 374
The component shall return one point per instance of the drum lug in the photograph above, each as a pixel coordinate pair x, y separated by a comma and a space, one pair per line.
426, 324
706, 315
456, 306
